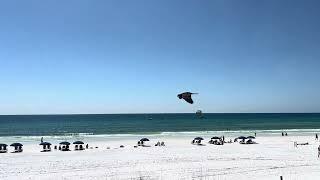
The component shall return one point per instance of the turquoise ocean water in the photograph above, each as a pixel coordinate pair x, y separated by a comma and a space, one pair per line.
126, 124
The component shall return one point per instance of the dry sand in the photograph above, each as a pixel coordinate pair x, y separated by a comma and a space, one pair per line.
272, 157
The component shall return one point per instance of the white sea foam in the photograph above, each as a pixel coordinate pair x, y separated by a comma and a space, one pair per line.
102, 137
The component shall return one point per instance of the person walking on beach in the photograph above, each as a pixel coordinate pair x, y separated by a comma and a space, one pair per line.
41, 139
316, 136
319, 151
282, 134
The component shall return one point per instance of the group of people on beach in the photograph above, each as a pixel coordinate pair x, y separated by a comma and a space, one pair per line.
284, 134
160, 144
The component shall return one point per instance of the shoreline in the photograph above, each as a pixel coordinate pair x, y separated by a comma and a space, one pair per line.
207, 134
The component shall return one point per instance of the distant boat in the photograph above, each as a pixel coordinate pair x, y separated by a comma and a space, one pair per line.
199, 114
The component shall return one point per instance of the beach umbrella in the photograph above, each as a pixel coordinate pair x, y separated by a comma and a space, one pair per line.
215, 137
45, 144
78, 142
186, 96
65, 143
16, 144
198, 138
144, 139
251, 137
241, 137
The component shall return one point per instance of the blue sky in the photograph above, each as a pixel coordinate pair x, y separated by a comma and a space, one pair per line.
84, 56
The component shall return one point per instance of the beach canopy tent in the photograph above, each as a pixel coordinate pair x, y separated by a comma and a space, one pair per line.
65, 143
198, 138
78, 142
215, 137
3, 148
17, 147
16, 144
78, 145
46, 146
242, 137
216, 140
251, 137
144, 139
141, 142
3, 145
64, 146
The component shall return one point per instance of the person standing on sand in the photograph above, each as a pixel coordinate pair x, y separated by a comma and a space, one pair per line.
319, 151
41, 139
316, 136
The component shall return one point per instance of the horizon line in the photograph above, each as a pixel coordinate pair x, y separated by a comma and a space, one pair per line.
58, 114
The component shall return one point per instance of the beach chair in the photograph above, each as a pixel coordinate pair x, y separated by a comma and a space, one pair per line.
4, 150
46, 149
18, 149
249, 142
65, 148
218, 143
193, 141
199, 143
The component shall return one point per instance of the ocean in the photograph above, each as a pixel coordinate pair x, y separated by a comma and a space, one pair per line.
121, 124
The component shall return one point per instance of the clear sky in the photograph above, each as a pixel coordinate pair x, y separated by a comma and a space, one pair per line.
125, 56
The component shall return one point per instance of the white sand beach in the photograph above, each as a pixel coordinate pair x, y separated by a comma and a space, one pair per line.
272, 157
